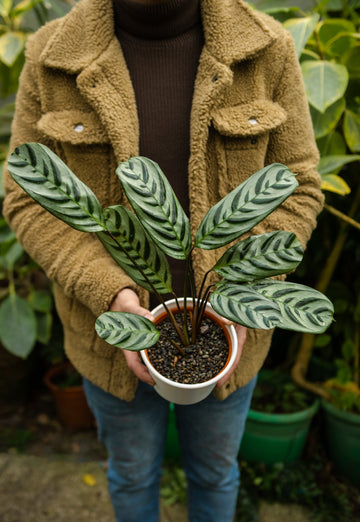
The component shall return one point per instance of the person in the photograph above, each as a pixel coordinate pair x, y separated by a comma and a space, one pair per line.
212, 91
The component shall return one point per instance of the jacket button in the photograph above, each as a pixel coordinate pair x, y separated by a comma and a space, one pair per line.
253, 121
79, 127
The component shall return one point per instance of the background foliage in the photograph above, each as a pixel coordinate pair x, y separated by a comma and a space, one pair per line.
327, 40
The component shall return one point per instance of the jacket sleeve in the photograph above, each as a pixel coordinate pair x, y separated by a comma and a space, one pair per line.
75, 260
293, 144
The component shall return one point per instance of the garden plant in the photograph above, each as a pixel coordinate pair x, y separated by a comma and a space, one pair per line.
139, 242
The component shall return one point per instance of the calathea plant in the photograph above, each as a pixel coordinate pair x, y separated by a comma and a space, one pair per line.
139, 242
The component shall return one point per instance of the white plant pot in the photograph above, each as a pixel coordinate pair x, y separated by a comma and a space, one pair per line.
179, 393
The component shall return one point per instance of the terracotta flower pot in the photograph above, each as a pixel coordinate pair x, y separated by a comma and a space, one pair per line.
72, 407
180, 393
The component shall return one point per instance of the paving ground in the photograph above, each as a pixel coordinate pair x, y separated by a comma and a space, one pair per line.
48, 489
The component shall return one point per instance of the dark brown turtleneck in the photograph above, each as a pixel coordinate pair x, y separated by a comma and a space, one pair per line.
162, 45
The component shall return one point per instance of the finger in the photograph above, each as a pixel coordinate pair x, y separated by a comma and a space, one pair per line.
137, 367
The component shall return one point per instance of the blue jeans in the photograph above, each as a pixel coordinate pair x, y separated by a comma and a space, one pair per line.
134, 435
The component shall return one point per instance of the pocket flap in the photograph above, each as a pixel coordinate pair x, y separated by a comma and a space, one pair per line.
73, 126
248, 119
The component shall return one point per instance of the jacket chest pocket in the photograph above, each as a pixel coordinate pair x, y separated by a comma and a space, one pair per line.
82, 142
242, 136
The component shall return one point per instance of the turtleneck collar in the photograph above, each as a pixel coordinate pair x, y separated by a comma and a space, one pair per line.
160, 21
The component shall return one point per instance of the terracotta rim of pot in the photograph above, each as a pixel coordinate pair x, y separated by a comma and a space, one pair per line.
53, 372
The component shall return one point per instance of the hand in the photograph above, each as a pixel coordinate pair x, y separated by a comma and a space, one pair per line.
128, 301
241, 335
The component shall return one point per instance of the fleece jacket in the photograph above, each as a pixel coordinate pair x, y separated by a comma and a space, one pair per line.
249, 109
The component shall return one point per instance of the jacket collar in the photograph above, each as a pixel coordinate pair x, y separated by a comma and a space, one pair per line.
233, 32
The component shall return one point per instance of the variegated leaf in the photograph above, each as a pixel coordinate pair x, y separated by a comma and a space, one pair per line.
260, 256
135, 251
127, 331
302, 309
156, 205
46, 178
245, 306
245, 206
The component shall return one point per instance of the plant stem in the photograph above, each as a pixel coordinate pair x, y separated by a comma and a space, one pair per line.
202, 308
174, 343
342, 216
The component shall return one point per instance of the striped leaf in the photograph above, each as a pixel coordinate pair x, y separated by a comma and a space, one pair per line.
245, 306
135, 251
156, 205
245, 206
302, 309
260, 256
127, 331
47, 179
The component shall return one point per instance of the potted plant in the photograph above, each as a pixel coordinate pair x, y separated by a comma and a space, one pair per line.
279, 419
139, 242
341, 407
65, 384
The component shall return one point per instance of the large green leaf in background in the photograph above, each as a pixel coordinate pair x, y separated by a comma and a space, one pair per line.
301, 30
243, 305
245, 206
127, 331
5, 7
129, 239
352, 129
11, 46
329, 164
156, 205
332, 144
352, 62
260, 256
40, 301
325, 82
43, 327
334, 183
17, 326
302, 309
325, 122
336, 36
328, 168
24, 6
47, 179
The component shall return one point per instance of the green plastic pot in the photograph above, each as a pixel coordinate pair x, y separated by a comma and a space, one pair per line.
172, 447
276, 437
342, 433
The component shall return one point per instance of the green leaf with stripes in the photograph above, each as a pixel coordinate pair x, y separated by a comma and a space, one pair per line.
245, 206
245, 306
47, 179
302, 309
156, 205
127, 331
132, 248
260, 256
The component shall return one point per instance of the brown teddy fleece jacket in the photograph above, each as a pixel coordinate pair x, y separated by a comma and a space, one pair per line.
249, 109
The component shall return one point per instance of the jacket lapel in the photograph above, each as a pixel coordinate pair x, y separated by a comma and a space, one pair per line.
85, 45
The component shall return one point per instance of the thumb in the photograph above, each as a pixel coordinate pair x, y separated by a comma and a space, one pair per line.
140, 310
